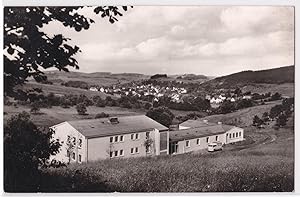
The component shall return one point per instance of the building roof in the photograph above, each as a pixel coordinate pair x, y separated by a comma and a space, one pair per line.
198, 128
101, 127
196, 123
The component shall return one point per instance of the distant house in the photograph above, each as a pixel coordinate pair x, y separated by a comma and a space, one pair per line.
247, 97
94, 89
104, 138
197, 134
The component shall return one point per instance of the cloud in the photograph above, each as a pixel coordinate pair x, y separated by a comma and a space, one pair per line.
187, 39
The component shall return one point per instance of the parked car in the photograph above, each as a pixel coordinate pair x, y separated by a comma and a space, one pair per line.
214, 146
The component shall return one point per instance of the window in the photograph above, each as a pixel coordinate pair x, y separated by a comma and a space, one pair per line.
136, 136
187, 143
79, 158
136, 150
74, 140
121, 138
207, 139
198, 141
80, 143
240, 134
116, 153
233, 135
217, 138
131, 151
230, 135
121, 153
111, 154
73, 156
132, 136
111, 139
116, 138
147, 135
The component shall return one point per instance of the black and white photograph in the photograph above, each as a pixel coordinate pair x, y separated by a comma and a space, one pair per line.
156, 98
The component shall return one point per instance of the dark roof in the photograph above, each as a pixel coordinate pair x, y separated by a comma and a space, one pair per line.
127, 124
201, 129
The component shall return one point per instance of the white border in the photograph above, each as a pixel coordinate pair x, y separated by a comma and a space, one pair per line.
165, 2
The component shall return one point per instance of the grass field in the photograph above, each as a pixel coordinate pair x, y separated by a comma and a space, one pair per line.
51, 116
63, 90
264, 167
286, 89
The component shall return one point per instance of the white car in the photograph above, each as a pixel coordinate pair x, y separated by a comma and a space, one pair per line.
214, 146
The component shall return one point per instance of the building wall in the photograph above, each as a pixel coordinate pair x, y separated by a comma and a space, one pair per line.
234, 135
100, 148
62, 131
182, 148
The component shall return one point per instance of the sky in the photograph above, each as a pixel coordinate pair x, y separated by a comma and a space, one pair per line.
209, 40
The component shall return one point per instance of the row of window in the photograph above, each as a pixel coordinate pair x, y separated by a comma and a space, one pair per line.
234, 135
134, 136
74, 157
117, 139
73, 141
119, 153
188, 144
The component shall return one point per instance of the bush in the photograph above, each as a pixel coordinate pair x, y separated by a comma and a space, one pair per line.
81, 109
35, 108
101, 115
26, 150
162, 115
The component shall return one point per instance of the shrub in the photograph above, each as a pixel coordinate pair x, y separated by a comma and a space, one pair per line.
81, 109
102, 115
161, 114
35, 108
26, 150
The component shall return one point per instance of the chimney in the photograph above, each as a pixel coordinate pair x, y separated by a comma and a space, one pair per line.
219, 122
113, 120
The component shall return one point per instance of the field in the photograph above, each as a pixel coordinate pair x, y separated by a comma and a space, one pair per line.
286, 89
263, 162
62, 90
51, 116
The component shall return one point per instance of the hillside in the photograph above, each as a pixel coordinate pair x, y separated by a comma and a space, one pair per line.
271, 76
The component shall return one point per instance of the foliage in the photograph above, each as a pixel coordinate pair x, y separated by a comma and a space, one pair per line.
76, 84
275, 111
102, 115
162, 115
28, 50
35, 108
226, 107
26, 148
281, 120
257, 121
81, 109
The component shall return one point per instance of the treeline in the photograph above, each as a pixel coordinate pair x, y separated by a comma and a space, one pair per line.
279, 113
76, 84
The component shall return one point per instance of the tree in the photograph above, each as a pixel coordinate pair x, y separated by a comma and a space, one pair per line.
26, 150
70, 145
35, 108
281, 120
226, 107
162, 115
275, 97
265, 117
257, 121
81, 109
238, 91
27, 49
275, 111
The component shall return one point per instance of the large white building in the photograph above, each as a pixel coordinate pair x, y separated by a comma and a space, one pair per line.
94, 139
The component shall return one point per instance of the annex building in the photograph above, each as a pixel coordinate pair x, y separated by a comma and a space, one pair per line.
193, 135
